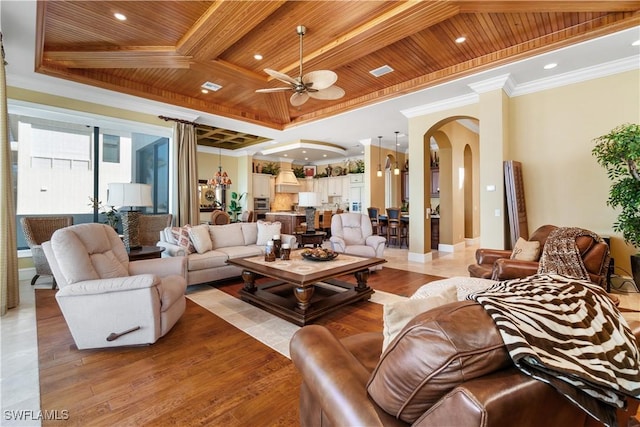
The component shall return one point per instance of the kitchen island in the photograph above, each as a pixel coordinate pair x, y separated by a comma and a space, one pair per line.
289, 220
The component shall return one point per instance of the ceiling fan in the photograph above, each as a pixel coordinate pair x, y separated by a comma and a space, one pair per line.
316, 84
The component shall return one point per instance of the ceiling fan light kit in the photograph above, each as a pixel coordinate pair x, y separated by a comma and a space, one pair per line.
315, 84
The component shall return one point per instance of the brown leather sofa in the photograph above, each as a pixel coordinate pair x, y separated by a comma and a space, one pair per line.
347, 382
496, 264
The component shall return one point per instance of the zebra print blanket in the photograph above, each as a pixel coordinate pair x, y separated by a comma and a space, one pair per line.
567, 332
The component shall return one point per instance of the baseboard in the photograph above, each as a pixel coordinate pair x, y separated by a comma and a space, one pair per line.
416, 257
473, 241
452, 248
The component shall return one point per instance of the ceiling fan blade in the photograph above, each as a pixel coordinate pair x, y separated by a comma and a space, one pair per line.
299, 98
281, 76
320, 79
273, 89
332, 92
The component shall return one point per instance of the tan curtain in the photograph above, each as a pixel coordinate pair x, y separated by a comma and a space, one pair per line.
9, 290
188, 202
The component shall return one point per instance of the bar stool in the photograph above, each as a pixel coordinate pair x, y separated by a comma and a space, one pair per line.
394, 226
373, 217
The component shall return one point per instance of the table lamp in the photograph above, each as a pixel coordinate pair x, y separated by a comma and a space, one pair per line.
131, 195
309, 200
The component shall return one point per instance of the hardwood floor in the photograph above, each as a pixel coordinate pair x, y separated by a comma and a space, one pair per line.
204, 372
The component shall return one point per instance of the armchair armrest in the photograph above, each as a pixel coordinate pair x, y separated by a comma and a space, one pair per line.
160, 266
338, 244
171, 249
290, 239
375, 242
505, 269
103, 286
489, 256
335, 378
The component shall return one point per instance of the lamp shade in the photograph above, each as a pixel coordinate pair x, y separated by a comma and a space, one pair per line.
308, 199
128, 194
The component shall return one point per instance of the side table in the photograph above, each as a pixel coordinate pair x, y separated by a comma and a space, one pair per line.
314, 238
145, 252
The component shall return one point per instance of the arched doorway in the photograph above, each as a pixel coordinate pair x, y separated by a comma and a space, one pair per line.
454, 144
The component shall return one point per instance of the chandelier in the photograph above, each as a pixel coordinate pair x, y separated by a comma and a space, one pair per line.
221, 179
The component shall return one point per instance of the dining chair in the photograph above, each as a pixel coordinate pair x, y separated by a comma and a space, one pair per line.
394, 226
375, 221
326, 222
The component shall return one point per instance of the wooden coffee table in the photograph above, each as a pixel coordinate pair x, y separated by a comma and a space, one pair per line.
304, 290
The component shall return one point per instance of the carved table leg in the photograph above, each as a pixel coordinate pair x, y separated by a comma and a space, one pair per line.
303, 295
362, 277
249, 279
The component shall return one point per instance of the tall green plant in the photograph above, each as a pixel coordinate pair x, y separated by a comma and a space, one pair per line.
234, 205
619, 153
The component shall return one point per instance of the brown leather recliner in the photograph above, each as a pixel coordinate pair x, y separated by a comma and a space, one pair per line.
337, 374
496, 264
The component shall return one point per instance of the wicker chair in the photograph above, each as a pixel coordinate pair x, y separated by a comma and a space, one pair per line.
220, 218
150, 226
38, 230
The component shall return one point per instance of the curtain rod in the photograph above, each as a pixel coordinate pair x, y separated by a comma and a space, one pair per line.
187, 122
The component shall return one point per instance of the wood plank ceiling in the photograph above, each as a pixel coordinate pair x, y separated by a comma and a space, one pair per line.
165, 50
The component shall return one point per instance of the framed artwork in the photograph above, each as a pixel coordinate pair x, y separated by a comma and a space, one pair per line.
309, 171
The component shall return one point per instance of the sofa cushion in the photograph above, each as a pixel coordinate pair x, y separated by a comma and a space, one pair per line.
181, 238
241, 251
226, 235
396, 315
250, 232
266, 231
200, 238
526, 250
210, 259
436, 351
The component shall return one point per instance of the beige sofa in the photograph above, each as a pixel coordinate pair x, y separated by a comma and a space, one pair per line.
209, 247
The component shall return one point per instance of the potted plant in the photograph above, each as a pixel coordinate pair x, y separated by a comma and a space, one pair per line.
619, 153
110, 213
234, 206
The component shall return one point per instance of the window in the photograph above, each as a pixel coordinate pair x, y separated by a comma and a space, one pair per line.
110, 148
61, 161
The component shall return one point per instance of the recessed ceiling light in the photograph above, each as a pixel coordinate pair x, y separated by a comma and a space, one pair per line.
636, 43
550, 66
324, 155
120, 17
306, 158
461, 39
304, 151
204, 91
257, 56
286, 155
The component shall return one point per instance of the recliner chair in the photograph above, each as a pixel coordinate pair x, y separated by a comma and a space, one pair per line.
106, 300
351, 233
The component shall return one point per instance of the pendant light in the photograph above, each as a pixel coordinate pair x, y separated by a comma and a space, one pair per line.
396, 171
379, 173
221, 179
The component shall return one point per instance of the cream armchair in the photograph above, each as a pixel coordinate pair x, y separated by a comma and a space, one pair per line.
106, 300
352, 233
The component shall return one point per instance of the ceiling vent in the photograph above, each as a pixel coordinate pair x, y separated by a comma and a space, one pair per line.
211, 86
381, 71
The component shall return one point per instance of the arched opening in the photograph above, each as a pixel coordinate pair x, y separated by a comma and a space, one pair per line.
450, 146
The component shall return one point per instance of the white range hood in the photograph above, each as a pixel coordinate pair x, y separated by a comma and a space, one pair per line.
286, 178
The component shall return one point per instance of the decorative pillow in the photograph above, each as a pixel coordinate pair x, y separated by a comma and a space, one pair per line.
266, 231
465, 285
200, 238
181, 234
396, 315
435, 352
526, 250
227, 235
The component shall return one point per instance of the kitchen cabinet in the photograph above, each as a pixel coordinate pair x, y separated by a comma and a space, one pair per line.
345, 188
435, 182
334, 186
320, 185
263, 186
